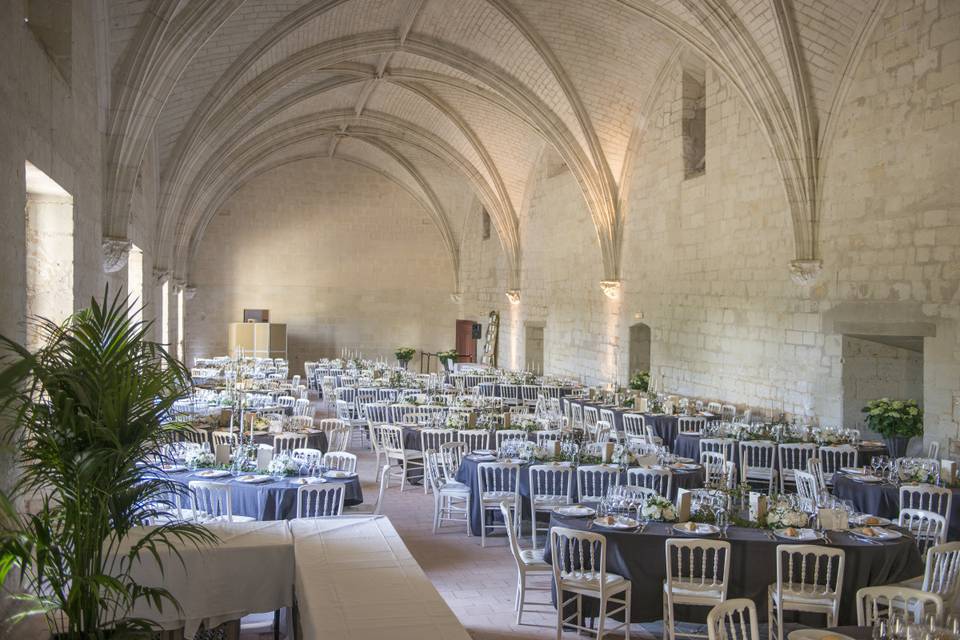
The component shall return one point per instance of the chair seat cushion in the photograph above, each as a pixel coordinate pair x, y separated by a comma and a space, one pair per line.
549, 500
683, 592
588, 581
532, 557
792, 596
496, 496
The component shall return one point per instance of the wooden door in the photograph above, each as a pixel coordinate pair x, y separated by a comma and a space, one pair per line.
466, 344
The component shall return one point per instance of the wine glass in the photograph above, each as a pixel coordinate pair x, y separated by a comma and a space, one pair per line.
876, 462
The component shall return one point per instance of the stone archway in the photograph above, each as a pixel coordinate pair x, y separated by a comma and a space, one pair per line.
639, 348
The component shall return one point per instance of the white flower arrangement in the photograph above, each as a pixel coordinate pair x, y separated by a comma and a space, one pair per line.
197, 458
456, 421
660, 509
283, 465
781, 515
915, 473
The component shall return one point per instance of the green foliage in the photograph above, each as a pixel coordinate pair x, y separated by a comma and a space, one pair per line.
450, 354
640, 381
892, 418
81, 413
404, 354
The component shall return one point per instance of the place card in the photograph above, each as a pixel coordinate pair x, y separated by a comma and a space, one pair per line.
948, 471
833, 519
758, 506
553, 448
643, 404
684, 498
264, 456
221, 453
607, 451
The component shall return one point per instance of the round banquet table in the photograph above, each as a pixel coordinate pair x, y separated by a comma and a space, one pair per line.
689, 447
639, 557
664, 426
857, 633
316, 439
883, 499
467, 474
274, 500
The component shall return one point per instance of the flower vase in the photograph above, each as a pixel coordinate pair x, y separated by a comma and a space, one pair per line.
897, 446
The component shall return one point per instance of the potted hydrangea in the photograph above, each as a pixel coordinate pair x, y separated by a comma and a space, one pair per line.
783, 515
896, 420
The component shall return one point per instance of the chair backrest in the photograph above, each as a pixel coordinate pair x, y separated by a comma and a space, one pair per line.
474, 438
300, 422
340, 461
286, 402
808, 488
346, 394
697, 563
660, 480
210, 500
603, 432
338, 439
382, 492
933, 449
794, 456
734, 619
510, 393
723, 446
500, 477
728, 412
529, 393
713, 468
608, 416
551, 480
387, 395
196, 436
713, 407
433, 438
502, 435
634, 426
834, 457
815, 468
942, 573
691, 426
878, 603
928, 497
929, 528
223, 437
451, 455
590, 417
305, 455
287, 442
810, 571
578, 556
301, 407
344, 410
547, 435
320, 500
507, 513
576, 411
593, 480
758, 458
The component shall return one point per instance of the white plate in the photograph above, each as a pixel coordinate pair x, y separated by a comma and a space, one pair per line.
484, 452
576, 510
486, 458
869, 479
172, 468
854, 471
683, 466
816, 634
253, 479
882, 534
213, 473
703, 529
310, 480
685, 460
860, 521
622, 522
339, 474
803, 535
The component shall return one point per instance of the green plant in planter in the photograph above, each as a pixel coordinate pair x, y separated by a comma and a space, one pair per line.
404, 355
81, 413
640, 380
450, 354
895, 420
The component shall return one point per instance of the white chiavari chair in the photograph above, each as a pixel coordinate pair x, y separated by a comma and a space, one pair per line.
652, 437
594, 480
658, 479
933, 449
604, 432
301, 407
528, 562
714, 469
576, 412
287, 442
793, 456
405, 459
320, 500
212, 502
758, 462
376, 508
580, 569
224, 437
340, 461
451, 455
387, 396
545, 436
590, 418
433, 439
286, 402
299, 423
807, 488
723, 446
815, 468
878, 603
835, 457
196, 436
809, 579
498, 482
733, 620
510, 394
697, 573
451, 499
551, 486
714, 408
927, 527
691, 426
504, 435
529, 394
306, 455
338, 439
928, 497
727, 412
474, 438
634, 428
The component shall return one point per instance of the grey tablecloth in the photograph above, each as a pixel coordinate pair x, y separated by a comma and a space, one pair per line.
665, 426
689, 447
883, 499
316, 440
639, 557
271, 500
467, 474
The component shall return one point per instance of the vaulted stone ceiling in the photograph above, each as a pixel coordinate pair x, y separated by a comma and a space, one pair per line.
433, 91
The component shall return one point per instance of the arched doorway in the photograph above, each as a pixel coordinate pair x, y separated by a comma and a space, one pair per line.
639, 348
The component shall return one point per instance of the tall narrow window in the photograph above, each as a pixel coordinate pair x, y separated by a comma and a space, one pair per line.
485, 222
49, 235
694, 122
165, 313
180, 324
135, 282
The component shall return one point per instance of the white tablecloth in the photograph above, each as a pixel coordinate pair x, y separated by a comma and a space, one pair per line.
250, 570
356, 579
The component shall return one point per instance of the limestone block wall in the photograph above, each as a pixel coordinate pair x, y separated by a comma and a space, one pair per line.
705, 258
874, 370
343, 256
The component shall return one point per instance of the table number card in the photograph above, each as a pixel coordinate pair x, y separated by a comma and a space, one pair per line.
264, 456
683, 505
472, 420
948, 471
221, 454
607, 451
643, 405
553, 448
833, 519
758, 506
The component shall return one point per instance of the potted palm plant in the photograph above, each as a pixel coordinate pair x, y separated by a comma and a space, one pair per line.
85, 419
896, 420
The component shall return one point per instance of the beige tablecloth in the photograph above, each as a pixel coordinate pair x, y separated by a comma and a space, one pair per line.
356, 579
250, 570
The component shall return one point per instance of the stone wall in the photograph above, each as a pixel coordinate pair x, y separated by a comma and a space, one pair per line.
705, 258
874, 370
343, 256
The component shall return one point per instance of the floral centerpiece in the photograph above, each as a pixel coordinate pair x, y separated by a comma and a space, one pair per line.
283, 465
449, 354
916, 472
640, 381
659, 509
525, 423
782, 515
896, 420
456, 420
827, 436
404, 355
199, 459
